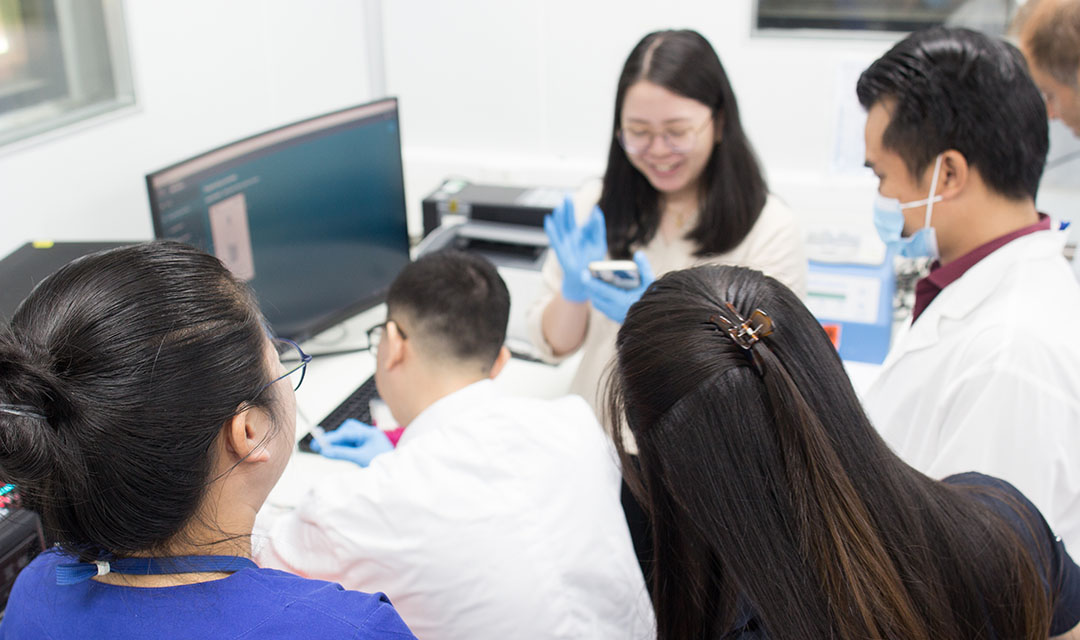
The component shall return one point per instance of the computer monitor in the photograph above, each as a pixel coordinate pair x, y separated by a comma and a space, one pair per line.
311, 214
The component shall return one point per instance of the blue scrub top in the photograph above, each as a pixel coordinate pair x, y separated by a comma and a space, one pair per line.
251, 603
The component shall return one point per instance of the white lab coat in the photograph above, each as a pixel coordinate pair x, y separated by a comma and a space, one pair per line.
495, 517
988, 379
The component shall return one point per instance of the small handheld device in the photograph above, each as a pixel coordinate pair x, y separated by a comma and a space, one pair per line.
621, 273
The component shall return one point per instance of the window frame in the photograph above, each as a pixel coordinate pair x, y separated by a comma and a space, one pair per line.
59, 63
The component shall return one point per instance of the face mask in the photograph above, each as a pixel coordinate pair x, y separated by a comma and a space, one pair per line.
889, 220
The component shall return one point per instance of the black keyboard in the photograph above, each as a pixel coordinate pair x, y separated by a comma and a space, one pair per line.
357, 405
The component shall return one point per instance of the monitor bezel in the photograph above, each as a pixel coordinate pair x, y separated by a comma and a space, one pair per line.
363, 303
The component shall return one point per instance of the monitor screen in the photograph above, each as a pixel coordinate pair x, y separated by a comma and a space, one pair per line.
311, 215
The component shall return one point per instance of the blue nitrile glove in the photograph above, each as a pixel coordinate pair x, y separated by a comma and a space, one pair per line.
614, 301
575, 246
354, 441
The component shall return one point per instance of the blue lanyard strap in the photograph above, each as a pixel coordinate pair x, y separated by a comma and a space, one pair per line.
77, 572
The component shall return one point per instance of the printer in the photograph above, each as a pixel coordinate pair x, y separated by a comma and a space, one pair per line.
504, 224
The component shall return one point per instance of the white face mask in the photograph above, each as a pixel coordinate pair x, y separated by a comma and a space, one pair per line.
889, 221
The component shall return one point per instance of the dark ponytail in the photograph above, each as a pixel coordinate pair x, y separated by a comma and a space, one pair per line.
127, 362
763, 478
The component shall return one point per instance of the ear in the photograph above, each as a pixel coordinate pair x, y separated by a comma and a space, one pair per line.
500, 362
718, 123
395, 346
244, 436
954, 175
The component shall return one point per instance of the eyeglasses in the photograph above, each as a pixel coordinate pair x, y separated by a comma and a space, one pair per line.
293, 359
375, 334
678, 139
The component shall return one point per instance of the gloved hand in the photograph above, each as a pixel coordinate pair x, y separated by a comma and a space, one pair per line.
354, 441
614, 301
575, 246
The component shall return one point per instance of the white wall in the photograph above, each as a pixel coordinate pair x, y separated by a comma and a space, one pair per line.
508, 91
206, 72
523, 92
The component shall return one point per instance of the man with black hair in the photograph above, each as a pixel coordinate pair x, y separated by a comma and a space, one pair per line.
1049, 34
495, 517
986, 376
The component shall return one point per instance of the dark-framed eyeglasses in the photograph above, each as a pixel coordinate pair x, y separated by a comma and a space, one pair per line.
375, 334
293, 359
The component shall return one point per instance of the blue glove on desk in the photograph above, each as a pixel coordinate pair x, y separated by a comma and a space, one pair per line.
575, 246
614, 301
354, 441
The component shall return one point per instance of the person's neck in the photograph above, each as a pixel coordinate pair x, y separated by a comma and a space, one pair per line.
212, 546
682, 201
437, 384
988, 218
221, 527
677, 210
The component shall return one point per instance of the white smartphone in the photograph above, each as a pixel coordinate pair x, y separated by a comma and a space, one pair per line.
621, 273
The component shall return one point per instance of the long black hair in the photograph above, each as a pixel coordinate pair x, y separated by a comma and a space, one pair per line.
126, 364
764, 480
734, 189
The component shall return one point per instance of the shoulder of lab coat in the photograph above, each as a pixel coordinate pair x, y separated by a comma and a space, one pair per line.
988, 379
469, 513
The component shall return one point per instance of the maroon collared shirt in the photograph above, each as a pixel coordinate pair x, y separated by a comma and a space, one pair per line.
940, 276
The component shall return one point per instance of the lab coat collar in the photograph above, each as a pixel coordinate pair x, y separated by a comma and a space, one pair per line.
448, 408
963, 296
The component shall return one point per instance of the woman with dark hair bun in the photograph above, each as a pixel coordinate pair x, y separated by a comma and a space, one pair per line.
777, 509
145, 414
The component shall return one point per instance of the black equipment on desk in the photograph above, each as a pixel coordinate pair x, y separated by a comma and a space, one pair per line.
28, 265
311, 214
500, 204
21, 539
356, 406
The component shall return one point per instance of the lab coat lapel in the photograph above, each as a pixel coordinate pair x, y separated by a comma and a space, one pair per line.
914, 336
964, 296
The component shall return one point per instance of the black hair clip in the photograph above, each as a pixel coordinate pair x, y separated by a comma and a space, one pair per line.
748, 331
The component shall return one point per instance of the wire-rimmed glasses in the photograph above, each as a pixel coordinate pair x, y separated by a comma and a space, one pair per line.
293, 359
679, 139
